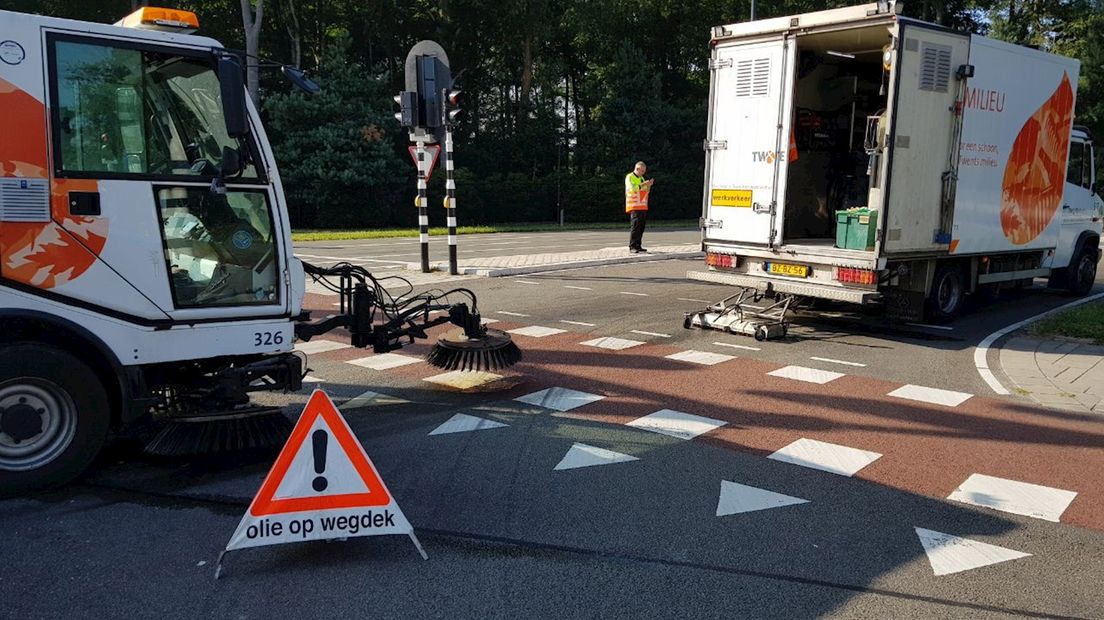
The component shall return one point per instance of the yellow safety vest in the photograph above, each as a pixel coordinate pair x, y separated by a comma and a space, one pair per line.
636, 193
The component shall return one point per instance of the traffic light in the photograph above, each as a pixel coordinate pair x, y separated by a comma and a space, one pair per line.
453, 105
408, 108
433, 76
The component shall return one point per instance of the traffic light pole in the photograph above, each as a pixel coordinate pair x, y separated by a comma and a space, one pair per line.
450, 198
423, 212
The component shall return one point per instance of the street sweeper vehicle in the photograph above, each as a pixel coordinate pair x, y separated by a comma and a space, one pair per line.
146, 264
860, 156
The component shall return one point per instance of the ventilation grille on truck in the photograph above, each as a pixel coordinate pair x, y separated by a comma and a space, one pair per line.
24, 200
753, 77
935, 67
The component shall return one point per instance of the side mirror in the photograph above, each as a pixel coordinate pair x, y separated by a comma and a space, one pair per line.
297, 77
232, 88
230, 165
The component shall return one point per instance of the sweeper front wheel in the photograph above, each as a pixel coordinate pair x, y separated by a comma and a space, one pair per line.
54, 417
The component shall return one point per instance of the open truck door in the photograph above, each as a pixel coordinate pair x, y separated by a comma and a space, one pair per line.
750, 115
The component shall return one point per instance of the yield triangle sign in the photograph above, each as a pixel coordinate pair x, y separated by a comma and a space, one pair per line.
432, 152
322, 486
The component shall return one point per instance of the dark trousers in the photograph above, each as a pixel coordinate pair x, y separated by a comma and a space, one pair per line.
636, 228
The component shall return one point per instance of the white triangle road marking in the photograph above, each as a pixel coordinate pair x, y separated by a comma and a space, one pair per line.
949, 554
583, 455
736, 498
462, 423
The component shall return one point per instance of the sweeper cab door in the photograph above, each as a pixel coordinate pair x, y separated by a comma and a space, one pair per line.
751, 98
147, 157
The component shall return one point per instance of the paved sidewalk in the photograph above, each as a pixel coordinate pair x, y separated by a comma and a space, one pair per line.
1056, 373
552, 261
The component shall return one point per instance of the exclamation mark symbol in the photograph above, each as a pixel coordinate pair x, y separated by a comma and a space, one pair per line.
319, 438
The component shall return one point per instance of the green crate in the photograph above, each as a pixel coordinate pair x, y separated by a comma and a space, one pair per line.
861, 230
841, 229
856, 228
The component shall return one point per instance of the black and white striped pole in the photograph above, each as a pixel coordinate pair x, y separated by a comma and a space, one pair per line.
423, 206
450, 202
452, 109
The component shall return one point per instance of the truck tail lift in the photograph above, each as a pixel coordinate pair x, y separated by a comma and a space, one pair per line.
751, 311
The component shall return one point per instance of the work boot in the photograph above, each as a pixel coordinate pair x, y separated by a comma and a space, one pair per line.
642, 250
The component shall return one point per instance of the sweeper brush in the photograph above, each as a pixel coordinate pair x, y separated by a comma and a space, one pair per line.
256, 430
491, 351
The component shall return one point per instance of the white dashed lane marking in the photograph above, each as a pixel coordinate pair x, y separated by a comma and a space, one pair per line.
578, 288
582, 455
704, 358
1019, 498
614, 344
579, 323
559, 399
463, 380
700, 301
320, 346
463, 423
737, 346
384, 361
829, 457
738, 498
949, 554
676, 424
636, 294
808, 375
841, 362
530, 282
931, 395
924, 325
537, 331
655, 334
512, 313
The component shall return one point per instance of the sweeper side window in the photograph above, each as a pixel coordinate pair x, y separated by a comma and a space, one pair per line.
840, 81
122, 111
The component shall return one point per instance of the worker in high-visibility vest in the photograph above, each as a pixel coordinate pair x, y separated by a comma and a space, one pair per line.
636, 204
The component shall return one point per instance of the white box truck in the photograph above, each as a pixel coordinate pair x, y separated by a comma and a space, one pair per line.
857, 155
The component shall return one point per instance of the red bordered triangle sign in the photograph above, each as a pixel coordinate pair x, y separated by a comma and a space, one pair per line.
433, 150
322, 486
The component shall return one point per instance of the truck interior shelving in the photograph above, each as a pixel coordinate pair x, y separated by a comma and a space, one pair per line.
839, 83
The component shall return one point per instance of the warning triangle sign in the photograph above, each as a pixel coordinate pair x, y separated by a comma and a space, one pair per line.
432, 152
322, 486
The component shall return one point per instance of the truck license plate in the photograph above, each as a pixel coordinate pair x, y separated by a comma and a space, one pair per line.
785, 269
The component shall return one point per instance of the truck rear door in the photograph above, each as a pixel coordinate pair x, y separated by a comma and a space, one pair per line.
750, 109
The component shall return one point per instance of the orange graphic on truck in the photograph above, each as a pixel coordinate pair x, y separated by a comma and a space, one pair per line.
1035, 175
42, 254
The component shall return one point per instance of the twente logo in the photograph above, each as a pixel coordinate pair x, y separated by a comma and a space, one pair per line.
767, 156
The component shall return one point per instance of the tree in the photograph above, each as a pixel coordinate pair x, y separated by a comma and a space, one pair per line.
252, 18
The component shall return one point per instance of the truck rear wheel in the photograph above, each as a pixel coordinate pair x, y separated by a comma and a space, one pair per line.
947, 296
54, 417
1081, 274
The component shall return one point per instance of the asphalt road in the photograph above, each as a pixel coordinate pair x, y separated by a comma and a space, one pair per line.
510, 535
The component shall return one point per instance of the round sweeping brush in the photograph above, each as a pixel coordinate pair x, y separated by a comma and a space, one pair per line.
491, 351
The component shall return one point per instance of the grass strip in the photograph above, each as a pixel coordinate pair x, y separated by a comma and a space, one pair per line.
386, 233
1084, 322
